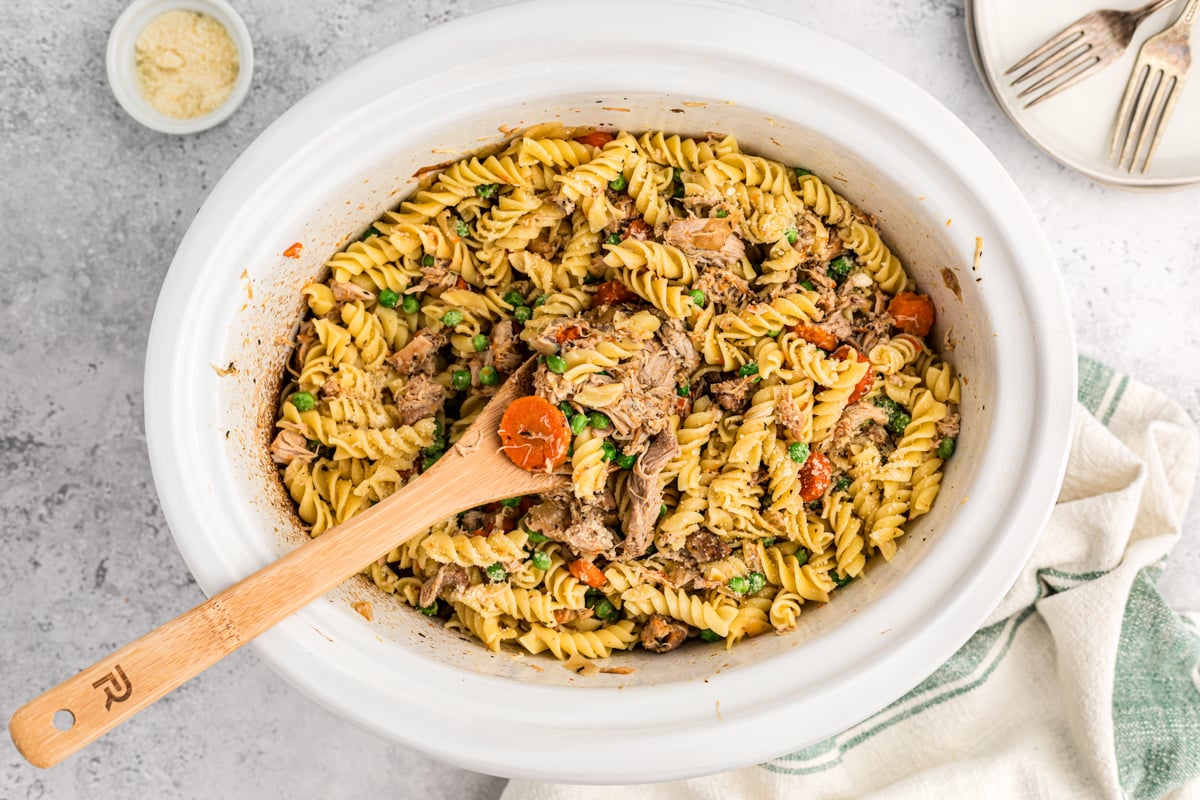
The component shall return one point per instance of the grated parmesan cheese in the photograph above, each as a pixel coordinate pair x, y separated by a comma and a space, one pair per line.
186, 64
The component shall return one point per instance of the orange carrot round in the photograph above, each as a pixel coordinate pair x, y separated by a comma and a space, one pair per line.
611, 292
912, 312
587, 572
863, 386
818, 336
595, 138
534, 434
815, 477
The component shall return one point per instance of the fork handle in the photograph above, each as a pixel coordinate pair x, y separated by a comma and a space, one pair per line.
1140, 14
1184, 23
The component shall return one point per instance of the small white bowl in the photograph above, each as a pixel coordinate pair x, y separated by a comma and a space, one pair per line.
122, 64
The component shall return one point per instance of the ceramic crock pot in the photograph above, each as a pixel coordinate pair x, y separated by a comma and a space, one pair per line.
346, 153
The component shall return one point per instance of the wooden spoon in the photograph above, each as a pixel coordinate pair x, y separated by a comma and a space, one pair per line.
473, 472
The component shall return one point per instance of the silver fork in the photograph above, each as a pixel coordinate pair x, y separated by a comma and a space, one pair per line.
1080, 50
1154, 85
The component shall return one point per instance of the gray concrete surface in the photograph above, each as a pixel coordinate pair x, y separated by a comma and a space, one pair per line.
92, 207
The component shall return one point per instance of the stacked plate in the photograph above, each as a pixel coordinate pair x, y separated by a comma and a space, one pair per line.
1074, 127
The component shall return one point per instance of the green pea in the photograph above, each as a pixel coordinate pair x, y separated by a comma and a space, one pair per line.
461, 229
739, 585
540, 560
578, 423
511, 502
840, 580
662, 510
566, 409
522, 314
768, 541
514, 299
605, 610
746, 370
801, 172
843, 484
598, 421
613, 238
721, 213
479, 342
801, 556
757, 581
540, 301
460, 379
677, 174
556, 364
710, 636
452, 318
774, 334
537, 538
410, 304
618, 183
697, 297
626, 461
945, 448
388, 298
807, 285
589, 279
898, 423
429, 610
486, 190
792, 235
608, 451
683, 389
303, 401
368, 233
427, 260
496, 573
798, 451
839, 269
488, 376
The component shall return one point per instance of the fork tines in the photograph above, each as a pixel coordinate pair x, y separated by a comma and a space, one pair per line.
1061, 62
1145, 109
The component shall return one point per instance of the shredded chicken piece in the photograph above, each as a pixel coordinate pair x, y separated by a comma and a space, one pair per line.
663, 634
706, 240
418, 355
790, 415
707, 546
564, 615
504, 353
290, 446
723, 286
344, 291
449, 577
947, 428
645, 492
732, 395
852, 418
421, 397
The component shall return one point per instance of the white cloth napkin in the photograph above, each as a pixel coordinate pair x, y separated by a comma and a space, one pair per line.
1082, 684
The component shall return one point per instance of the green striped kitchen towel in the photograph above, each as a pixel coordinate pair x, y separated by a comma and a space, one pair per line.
1082, 684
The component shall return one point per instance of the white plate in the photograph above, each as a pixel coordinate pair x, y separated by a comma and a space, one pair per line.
1074, 127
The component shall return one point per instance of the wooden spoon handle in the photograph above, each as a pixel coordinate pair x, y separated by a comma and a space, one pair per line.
119, 686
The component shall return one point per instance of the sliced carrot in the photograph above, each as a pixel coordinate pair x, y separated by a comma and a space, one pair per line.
611, 292
638, 229
461, 284
595, 138
568, 334
294, 250
587, 572
863, 386
815, 477
913, 313
818, 336
534, 434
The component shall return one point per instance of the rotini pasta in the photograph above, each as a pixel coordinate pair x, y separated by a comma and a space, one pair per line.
754, 411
